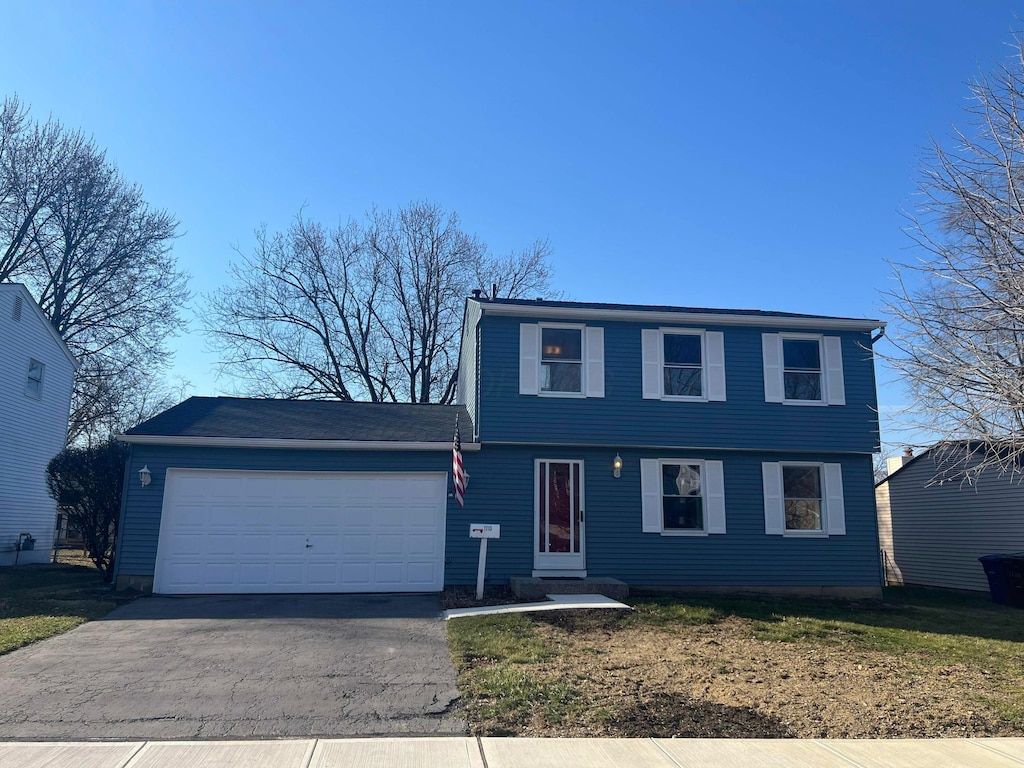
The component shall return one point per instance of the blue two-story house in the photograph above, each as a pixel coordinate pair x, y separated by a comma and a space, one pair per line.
657, 445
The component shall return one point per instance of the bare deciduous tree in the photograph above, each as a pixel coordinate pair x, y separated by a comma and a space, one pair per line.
959, 334
369, 310
96, 257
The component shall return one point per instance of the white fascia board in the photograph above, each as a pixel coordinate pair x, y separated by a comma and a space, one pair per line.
292, 444
687, 318
26, 295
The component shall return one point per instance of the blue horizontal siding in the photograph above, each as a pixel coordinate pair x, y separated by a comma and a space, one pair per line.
623, 417
501, 491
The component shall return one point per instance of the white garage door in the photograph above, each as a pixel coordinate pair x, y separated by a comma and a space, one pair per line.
232, 532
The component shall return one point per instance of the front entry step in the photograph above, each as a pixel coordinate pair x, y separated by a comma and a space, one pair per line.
533, 588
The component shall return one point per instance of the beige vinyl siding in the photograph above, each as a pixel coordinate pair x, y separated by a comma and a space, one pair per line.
467, 384
32, 431
936, 533
893, 575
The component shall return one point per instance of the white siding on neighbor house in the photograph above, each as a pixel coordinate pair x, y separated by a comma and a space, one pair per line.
466, 388
934, 534
31, 431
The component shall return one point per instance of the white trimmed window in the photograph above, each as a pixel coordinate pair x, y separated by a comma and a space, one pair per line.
34, 384
682, 496
683, 364
803, 498
561, 360
803, 369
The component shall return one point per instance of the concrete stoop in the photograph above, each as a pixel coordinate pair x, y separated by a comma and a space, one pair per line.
536, 589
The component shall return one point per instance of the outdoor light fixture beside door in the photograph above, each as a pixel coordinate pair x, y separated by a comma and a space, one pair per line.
617, 466
145, 476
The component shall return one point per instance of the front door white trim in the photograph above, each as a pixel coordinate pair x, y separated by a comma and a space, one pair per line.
560, 561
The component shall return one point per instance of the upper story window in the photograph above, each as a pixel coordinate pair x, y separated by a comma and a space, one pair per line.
803, 369
34, 384
683, 367
561, 360
682, 364
803, 498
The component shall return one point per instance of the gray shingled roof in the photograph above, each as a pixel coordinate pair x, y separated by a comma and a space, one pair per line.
306, 420
660, 308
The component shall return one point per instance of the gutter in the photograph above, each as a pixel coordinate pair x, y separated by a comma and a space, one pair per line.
292, 444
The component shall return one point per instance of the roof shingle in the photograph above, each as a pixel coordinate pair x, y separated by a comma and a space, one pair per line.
237, 417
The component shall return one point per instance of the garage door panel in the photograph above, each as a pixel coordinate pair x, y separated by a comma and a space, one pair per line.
355, 574
256, 543
324, 544
422, 573
357, 544
389, 544
186, 544
237, 531
222, 544
254, 574
422, 545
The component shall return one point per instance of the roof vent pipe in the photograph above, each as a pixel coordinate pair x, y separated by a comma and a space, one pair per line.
476, 293
494, 290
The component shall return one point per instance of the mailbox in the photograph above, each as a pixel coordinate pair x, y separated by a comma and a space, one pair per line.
484, 531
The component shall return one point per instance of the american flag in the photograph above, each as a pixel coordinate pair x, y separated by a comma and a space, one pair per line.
458, 472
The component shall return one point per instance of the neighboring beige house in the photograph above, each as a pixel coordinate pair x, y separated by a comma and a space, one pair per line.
933, 524
36, 375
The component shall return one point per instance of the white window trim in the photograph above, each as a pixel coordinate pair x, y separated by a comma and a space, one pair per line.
29, 379
582, 394
821, 366
821, 533
703, 398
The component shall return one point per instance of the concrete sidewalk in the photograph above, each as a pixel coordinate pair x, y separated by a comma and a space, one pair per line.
466, 752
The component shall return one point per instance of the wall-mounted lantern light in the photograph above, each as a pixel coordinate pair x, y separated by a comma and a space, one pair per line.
617, 466
145, 476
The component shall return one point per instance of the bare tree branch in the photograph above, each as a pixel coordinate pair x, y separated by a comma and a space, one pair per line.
370, 310
959, 309
96, 257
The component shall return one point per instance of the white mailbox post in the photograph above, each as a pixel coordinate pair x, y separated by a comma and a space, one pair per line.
483, 531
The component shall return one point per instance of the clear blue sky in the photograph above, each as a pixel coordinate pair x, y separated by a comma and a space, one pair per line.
746, 154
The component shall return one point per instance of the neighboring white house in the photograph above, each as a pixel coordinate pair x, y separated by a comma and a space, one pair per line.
933, 524
36, 376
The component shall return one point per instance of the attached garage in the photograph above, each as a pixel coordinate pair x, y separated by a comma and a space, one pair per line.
263, 531
275, 496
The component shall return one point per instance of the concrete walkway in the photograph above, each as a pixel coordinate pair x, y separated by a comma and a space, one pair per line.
465, 752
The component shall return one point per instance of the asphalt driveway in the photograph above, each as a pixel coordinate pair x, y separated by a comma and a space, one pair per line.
238, 666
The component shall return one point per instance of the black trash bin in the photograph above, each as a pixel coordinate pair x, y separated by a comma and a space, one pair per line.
1014, 568
1005, 578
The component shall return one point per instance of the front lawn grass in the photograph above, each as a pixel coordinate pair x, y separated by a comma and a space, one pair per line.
921, 662
39, 601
